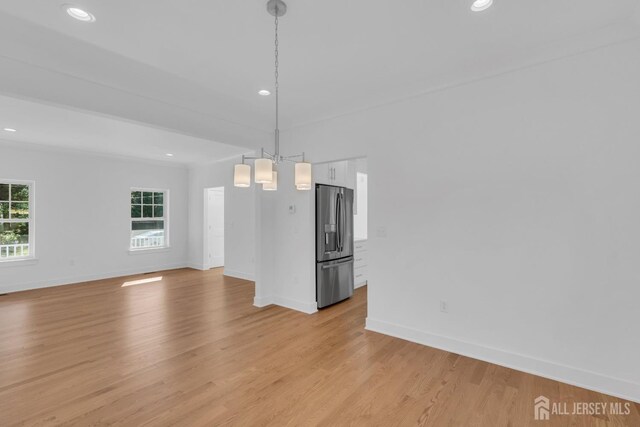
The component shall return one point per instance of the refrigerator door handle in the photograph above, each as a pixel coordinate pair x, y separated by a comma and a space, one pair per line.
338, 216
344, 221
337, 264
339, 220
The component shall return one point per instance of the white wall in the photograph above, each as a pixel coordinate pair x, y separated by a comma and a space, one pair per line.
214, 208
82, 215
239, 233
287, 255
515, 199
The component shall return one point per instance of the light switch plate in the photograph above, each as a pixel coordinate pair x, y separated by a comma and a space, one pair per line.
444, 306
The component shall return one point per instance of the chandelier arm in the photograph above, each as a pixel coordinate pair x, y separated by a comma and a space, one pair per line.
295, 156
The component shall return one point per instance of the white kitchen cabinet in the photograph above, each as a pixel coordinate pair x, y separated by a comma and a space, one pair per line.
360, 263
341, 173
322, 173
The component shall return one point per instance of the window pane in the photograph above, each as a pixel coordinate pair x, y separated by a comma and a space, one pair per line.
158, 198
158, 211
4, 191
147, 211
14, 239
4, 210
19, 193
19, 210
147, 234
136, 211
147, 198
147, 225
136, 197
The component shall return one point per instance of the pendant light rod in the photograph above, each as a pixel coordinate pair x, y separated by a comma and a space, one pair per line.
277, 9
277, 82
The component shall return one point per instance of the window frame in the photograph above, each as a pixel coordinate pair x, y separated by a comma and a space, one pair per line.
165, 218
31, 220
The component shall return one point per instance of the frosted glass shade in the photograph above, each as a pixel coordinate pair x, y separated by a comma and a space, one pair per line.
264, 171
273, 185
303, 176
242, 175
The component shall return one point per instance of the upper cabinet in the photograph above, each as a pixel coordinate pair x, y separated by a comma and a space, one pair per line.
322, 173
339, 170
341, 173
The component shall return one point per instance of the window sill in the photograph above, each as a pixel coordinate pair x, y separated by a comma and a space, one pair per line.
20, 262
149, 250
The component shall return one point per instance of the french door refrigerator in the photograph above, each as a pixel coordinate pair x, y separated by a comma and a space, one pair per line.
334, 244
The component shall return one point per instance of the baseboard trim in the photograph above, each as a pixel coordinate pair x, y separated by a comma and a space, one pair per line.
239, 274
359, 285
89, 277
543, 368
305, 307
196, 266
262, 301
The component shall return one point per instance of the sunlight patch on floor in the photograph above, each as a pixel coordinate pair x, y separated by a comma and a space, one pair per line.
142, 281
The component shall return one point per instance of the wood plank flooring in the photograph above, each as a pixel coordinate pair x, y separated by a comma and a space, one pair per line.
191, 350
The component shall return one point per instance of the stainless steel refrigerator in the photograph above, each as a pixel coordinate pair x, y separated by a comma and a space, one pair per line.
334, 244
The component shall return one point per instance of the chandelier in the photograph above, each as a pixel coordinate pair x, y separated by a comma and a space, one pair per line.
265, 165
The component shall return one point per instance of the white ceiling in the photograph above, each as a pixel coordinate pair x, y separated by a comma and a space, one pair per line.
46, 125
195, 66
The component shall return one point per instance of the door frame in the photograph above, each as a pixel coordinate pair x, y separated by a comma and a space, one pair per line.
206, 263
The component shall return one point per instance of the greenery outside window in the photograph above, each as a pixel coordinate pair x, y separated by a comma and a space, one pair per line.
16, 220
149, 219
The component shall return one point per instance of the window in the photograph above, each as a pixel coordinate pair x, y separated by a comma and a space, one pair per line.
16, 220
149, 219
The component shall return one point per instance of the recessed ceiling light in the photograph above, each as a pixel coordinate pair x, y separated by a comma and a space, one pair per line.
480, 5
10, 130
169, 155
79, 14
264, 92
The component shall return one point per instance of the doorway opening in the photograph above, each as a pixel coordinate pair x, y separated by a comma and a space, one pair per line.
214, 228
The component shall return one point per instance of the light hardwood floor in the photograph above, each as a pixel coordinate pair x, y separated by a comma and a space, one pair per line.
192, 350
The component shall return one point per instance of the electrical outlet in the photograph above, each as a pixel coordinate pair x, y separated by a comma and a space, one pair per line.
444, 306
